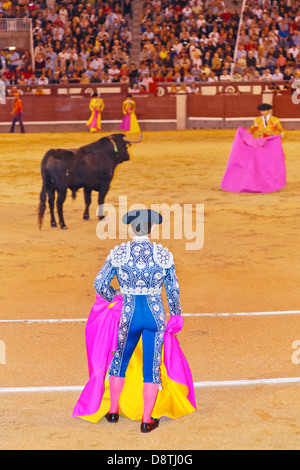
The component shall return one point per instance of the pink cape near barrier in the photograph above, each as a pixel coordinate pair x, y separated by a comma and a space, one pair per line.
125, 124
94, 122
255, 165
177, 397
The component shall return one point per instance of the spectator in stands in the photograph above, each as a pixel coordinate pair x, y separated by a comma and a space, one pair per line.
89, 72
290, 62
124, 71
194, 89
97, 62
267, 76
70, 71
6, 76
114, 73
294, 51
43, 80
22, 79
281, 61
256, 76
32, 80
49, 67
251, 59
288, 75
277, 75
283, 36
14, 60
40, 65
143, 89
188, 78
216, 64
271, 63
225, 77
84, 79
134, 88
64, 79
127, 8
39, 91
40, 49
124, 79
196, 72
28, 90
95, 78
237, 77
297, 74
26, 60
55, 78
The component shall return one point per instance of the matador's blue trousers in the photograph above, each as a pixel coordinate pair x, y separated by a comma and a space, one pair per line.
142, 323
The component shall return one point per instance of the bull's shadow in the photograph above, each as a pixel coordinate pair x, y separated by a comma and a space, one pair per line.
90, 167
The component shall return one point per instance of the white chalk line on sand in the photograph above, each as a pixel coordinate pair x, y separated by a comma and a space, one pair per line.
207, 384
204, 384
237, 314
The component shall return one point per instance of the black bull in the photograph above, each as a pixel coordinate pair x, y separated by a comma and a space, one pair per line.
90, 167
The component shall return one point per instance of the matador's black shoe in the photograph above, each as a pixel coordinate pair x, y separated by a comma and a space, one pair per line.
148, 427
112, 417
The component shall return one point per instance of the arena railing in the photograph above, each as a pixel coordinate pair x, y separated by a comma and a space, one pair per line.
219, 106
205, 89
15, 24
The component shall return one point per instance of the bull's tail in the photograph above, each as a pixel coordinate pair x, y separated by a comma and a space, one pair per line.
74, 191
42, 205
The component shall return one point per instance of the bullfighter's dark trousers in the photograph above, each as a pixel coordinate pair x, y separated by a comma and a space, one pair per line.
17, 117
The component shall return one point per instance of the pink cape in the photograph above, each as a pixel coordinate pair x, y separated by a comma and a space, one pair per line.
101, 340
94, 123
255, 165
125, 124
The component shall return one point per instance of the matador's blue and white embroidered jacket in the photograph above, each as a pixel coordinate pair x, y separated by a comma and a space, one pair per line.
142, 268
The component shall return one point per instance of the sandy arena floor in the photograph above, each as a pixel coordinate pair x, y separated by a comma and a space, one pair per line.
249, 263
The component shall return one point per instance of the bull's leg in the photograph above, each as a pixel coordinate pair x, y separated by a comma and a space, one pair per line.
104, 187
61, 196
51, 197
87, 200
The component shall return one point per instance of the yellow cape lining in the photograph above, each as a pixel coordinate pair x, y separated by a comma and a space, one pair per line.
171, 400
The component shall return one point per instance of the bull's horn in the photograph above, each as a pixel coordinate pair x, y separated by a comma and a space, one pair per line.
131, 141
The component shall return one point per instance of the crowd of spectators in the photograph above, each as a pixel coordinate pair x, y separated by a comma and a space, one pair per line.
74, 41
269, 45
195, 42
182, 42
187, 41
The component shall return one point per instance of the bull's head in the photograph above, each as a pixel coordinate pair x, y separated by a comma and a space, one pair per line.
122, 143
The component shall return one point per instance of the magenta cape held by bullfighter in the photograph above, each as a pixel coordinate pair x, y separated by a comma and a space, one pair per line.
177, 397
255, 165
